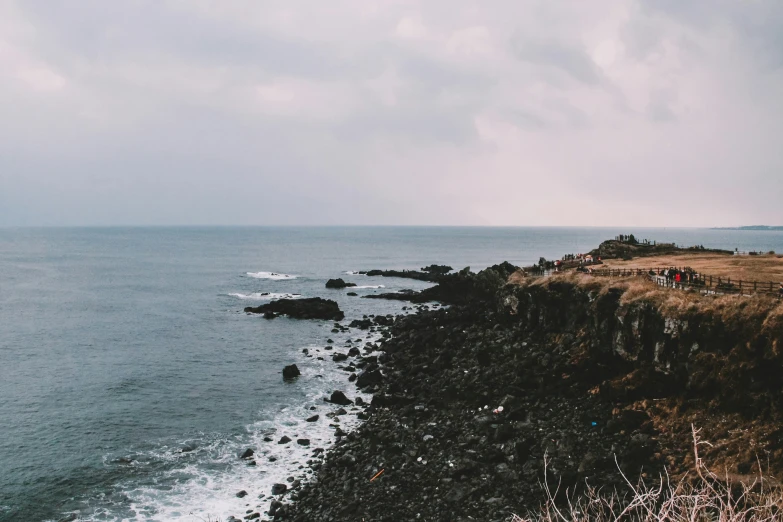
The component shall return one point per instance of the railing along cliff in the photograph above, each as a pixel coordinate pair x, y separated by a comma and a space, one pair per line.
702, 282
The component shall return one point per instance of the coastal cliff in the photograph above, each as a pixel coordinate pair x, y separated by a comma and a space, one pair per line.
592, 377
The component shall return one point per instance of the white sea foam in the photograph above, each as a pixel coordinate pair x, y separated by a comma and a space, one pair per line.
202, 484
353, 272
369, 286
265, 296
270, 275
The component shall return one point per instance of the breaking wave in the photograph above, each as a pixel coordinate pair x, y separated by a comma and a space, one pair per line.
264, 296
270, 275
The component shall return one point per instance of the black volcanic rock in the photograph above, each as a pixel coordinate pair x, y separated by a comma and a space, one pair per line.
362, 324
309, 308
432, 277
461, 287
339, 397
338, 283
403, 295
247, 454
369, 378
437, 269
291, 372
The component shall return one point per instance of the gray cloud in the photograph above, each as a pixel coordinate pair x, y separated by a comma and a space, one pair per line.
300, 112
570, 59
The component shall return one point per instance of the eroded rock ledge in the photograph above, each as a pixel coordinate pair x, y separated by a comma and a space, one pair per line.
309, 308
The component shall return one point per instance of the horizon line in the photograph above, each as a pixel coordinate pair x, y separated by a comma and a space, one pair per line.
98, 226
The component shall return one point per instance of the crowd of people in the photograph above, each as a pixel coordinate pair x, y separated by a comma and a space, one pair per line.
678, 276
630, 238
672, 276
572, 259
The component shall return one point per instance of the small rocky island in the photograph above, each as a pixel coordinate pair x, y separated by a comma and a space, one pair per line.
309, 308
338, 283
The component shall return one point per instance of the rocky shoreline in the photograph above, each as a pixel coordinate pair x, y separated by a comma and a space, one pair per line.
473, 402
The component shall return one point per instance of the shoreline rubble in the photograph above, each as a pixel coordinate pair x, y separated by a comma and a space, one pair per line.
471, 399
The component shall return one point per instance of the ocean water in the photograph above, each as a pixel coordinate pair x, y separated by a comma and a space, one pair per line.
130, 379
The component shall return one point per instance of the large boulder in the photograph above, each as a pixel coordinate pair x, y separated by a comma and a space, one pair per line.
309, 308
291, 372
369, 378
339, 397
362, 324
338, 283
248, 453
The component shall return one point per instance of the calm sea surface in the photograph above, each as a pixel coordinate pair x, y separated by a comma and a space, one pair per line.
130, 379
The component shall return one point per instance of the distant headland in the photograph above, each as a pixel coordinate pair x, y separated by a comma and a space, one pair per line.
750, 227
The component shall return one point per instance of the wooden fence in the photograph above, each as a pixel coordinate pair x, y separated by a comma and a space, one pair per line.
701, 282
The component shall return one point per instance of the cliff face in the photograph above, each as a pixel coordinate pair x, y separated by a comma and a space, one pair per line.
725, 350
711, 362
591, 377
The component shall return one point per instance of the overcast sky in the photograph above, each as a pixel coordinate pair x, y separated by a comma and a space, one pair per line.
448, 112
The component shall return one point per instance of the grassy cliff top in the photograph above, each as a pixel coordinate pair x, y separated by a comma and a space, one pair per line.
767, 267
764, 310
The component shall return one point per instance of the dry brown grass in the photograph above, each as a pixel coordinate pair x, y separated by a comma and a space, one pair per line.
709, 498
731, 308
748, 268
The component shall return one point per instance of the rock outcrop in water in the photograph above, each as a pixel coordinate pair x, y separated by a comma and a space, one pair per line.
431, 277
291, 372
469, 400
437, 269
458, 288
309, 308
338, 283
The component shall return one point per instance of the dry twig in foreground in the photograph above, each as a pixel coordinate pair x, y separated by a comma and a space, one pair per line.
708, 499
